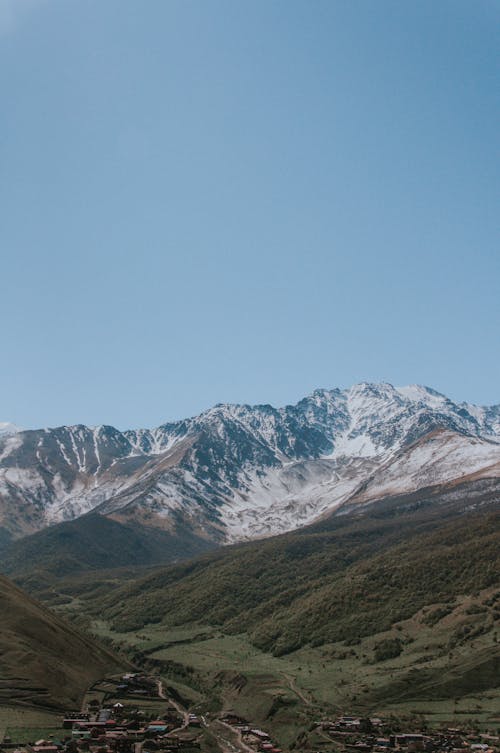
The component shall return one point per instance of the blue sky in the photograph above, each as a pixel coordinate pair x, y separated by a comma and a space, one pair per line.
207, 200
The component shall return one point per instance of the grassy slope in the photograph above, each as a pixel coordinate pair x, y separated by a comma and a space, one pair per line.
280, 629
320, 587
92, 542
288, 628
447, 670
44, 661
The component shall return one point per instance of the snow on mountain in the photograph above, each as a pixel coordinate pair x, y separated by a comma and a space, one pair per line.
438, 458
239, 471
7, 429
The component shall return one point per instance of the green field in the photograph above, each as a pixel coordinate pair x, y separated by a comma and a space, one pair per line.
436, 674
25, 725
394, 614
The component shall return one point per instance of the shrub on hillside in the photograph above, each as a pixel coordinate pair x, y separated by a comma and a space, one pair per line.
389, 648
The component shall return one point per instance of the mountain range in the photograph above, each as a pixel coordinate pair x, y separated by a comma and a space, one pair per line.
239, 472
394, 608
363, 527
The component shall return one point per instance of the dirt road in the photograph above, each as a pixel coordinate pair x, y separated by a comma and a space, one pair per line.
180, 709
291, 684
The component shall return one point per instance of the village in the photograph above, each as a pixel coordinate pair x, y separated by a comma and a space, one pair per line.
371, 734
134, 714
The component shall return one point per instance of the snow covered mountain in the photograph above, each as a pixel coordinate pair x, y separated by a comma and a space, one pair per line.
239, 471
7, 428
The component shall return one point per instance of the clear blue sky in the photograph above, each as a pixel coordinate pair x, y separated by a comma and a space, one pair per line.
208, 200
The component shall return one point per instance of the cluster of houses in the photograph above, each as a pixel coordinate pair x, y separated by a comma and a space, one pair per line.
136, 685
128, 723
252, 737
132, 715
369, 735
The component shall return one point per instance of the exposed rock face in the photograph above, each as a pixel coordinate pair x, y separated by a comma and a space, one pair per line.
239, 471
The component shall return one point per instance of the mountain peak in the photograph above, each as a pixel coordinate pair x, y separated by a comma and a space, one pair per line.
7, 428
239, 471
422, 393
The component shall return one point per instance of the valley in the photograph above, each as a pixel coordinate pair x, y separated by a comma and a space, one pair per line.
393, 613
285, 567
206, 691
249, 415
335, 676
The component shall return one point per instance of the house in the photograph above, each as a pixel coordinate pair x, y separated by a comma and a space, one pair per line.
234, 720
259, 734
382, 742
158, 725
417, 741
42, 746
70, 721
349, 722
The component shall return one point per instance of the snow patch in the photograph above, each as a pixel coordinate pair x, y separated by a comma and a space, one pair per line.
6, 429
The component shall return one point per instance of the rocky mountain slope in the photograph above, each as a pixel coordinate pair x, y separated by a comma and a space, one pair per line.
237, 472
45, 661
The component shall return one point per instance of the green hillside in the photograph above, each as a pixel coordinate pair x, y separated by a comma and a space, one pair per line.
387, 614
316, 587
45, 661
394, 609
92, 542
